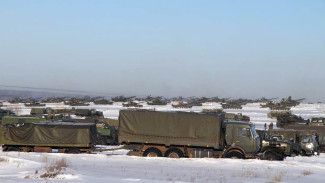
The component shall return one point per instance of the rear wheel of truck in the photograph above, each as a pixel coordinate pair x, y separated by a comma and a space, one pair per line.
152, 152
235, 155
73, 151
14, 149
174, 153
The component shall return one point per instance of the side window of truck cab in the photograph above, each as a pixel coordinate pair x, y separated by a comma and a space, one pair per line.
243, 132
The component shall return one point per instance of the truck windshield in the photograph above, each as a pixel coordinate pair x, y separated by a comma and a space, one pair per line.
313, 138
305, 140
253, 130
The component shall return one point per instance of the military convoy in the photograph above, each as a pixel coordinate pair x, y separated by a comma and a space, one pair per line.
170, 134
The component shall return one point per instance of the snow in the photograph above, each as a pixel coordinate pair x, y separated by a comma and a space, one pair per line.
117, 166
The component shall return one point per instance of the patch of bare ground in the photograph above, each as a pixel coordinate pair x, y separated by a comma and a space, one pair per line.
277, 178
52, 170
3, 160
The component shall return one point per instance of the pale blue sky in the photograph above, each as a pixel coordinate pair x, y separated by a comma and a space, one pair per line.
203, 48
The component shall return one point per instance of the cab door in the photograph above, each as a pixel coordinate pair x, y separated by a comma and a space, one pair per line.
244, 138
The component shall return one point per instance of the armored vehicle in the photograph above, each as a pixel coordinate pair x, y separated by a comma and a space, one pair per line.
38, 111
121, 98
182, 105
306, 139
34, 104
231, 106
285, 104
289, 118
77, 101
45, 136
131, 104
89, 113
320, 121
296, 148
229, 116
156, 101
275, 114
193, 135
103, 102
273, 149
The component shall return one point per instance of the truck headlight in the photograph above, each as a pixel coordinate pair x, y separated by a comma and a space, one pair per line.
310, 146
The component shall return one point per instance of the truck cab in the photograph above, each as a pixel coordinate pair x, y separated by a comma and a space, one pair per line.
241, 139
309, 145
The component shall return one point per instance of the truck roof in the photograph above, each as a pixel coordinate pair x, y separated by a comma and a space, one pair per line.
238, 122
63, 123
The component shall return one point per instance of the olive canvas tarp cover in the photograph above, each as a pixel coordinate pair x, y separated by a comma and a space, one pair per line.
52, 133
170, 128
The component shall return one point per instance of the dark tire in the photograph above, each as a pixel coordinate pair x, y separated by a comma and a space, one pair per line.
296, 153
270, 156
73, 151
14, 149
303, 153
235, 155
174, 153
152, 152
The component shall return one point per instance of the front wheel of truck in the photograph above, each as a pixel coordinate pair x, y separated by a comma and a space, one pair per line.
152, 152
235, 155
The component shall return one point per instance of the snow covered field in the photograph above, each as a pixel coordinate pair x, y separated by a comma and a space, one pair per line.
117, 166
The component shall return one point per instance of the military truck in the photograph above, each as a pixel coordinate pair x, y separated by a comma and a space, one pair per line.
179, 134
319, 129
45, 136
305, 138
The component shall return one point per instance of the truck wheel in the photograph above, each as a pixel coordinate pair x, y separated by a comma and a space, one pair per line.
303, 153
270, 156
174, 153
14, 149
152, 152
73, 151
235, 155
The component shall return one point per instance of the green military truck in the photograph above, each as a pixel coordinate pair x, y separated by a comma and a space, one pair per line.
305, 138
193, 135
68, 137
314, 126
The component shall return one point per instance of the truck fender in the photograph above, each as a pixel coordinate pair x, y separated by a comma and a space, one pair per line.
234, 148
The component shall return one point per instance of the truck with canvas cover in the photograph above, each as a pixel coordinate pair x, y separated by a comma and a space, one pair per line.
179, 134
67, 137
305, 138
